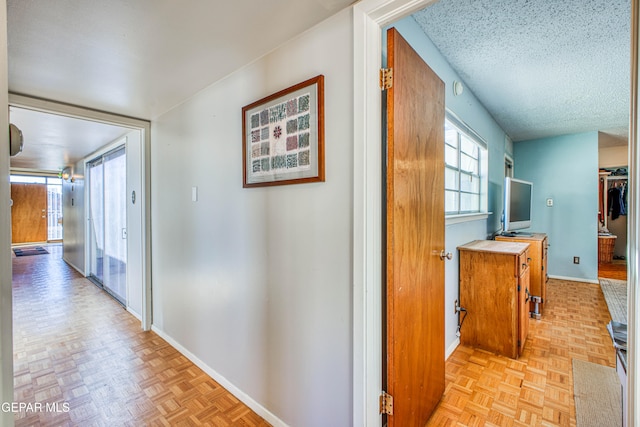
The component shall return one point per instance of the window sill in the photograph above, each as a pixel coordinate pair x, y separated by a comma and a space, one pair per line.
456, 219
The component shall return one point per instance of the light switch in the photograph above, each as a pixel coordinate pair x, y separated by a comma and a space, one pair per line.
194, 194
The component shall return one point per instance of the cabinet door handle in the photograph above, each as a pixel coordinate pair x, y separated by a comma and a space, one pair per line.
526, 290
447, 255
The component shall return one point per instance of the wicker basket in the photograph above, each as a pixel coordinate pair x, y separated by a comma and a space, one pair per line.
605, 248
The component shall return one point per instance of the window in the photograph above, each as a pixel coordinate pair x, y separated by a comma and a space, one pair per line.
465, 169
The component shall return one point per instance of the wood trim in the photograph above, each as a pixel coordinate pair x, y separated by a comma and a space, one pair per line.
320, 177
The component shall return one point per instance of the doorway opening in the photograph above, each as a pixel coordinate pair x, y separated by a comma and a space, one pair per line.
86, 133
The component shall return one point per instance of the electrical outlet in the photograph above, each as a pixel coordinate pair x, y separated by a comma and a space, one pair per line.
455, 307
576, 260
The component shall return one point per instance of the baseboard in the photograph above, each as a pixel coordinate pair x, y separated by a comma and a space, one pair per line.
452, 348
73, 266
574, 279
242, 396
134, 314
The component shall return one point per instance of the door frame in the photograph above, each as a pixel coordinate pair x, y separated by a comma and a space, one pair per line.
369, 16
144, 127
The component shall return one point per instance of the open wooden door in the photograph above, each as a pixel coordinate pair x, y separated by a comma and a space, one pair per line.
414, 361
28, 213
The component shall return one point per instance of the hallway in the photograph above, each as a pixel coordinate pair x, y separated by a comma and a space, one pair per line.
78, 351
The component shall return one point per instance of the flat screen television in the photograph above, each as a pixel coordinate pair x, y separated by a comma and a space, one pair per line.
517, 205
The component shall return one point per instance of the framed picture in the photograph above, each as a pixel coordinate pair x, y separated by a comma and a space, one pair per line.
283, 136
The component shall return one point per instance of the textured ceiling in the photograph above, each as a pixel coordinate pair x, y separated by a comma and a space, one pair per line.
541, 68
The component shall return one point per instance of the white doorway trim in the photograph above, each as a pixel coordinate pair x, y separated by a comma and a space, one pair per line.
144, 198
369, 16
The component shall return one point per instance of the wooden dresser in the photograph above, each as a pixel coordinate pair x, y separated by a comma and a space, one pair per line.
494, 289
538, 251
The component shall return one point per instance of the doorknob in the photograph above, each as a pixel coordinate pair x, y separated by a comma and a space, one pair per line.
447, 255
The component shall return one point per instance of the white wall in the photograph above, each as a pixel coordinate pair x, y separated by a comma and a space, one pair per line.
135, 262
6, 336
256, 284
613, 157
74, 218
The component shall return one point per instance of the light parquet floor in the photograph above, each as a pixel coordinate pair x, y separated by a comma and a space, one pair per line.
74, 345
77, 350
483, 389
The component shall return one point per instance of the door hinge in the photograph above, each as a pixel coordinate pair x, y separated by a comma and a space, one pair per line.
386, 403
518, 288
386, 78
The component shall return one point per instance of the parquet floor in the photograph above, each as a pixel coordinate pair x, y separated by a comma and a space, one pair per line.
77, 351
483, 389
76, 348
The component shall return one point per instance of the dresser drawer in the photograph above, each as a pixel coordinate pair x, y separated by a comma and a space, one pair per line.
523, 263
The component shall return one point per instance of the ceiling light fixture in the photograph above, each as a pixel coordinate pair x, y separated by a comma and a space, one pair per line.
16, 140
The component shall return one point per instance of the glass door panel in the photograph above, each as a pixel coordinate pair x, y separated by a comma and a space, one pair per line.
115, 219
96, 220
108, 219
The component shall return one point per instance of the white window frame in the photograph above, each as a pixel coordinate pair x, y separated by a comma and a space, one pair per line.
482, 175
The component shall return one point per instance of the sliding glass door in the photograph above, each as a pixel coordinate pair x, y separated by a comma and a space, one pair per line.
108, 222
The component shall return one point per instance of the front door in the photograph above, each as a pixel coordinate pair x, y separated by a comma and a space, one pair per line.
414, 360
28, 213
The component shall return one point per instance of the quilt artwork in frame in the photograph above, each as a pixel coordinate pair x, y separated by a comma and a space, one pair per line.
283, 136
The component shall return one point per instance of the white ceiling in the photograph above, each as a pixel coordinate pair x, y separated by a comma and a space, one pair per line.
141, 58
137, 58
540, 67
55, 141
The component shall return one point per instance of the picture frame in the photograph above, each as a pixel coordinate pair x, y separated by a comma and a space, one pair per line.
283, 136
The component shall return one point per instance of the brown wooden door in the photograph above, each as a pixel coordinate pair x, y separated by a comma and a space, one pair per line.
414, 361
28, 213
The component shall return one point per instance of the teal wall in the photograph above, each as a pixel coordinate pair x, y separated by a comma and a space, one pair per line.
467, 108
565, 169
